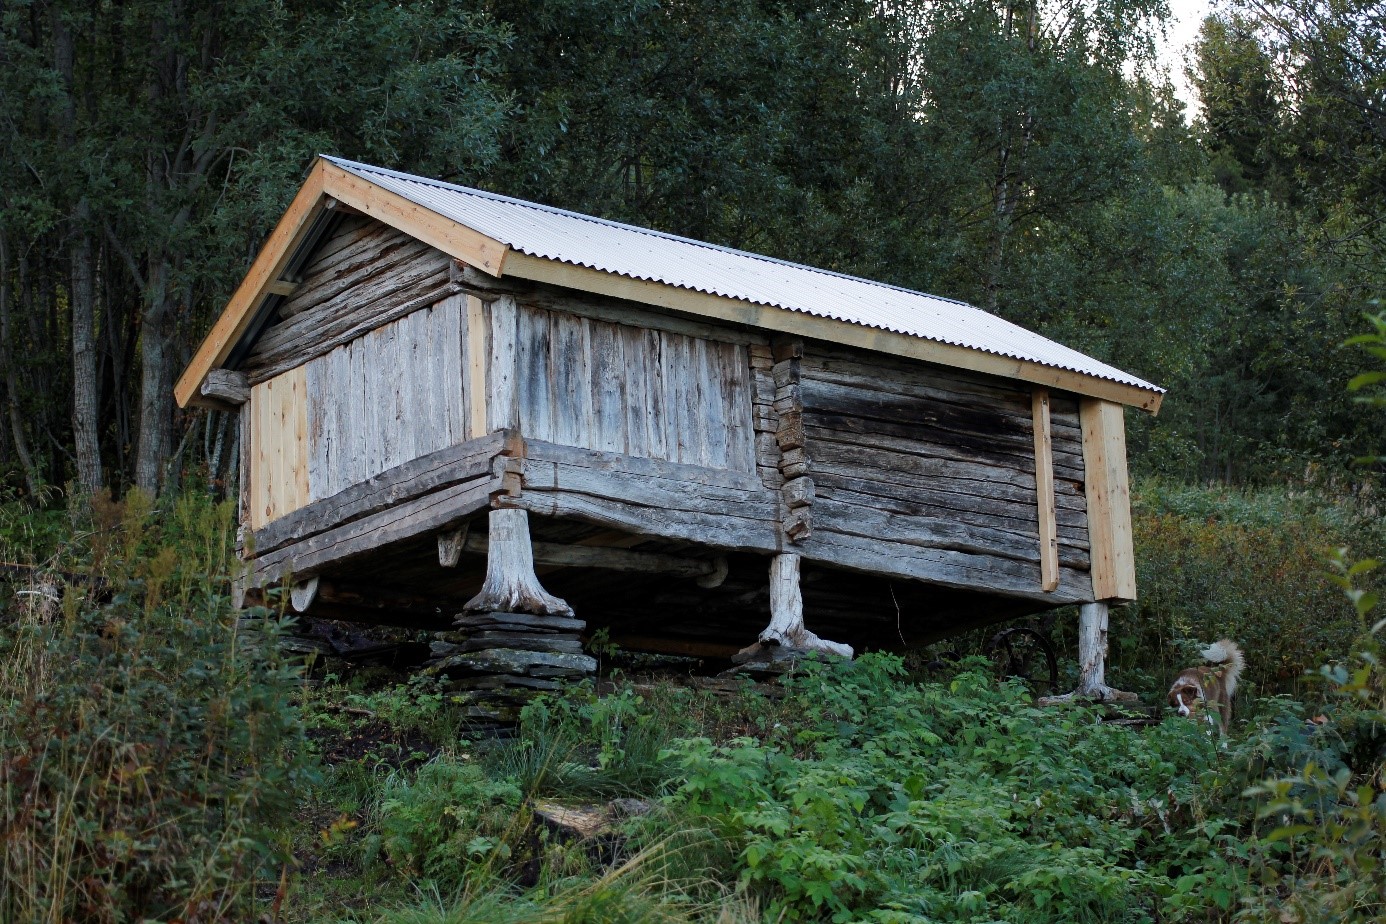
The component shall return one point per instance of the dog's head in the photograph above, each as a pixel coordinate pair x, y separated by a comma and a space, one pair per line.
1186, 696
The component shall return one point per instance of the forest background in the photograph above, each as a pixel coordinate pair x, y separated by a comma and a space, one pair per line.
162, 759
1024, 155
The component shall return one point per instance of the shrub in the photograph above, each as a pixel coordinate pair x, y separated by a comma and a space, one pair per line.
1216, 562
449, 821
147, 748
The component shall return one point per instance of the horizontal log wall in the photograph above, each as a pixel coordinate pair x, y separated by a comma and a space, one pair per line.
365, 275
598, 384
930, 472
723, 509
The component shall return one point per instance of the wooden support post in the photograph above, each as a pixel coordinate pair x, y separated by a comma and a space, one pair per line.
450, 546
1092, 650
787, 635
1044, 491
303, 593
511, 584
1092, 660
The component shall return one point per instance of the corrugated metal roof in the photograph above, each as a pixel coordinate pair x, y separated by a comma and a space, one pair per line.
556, 234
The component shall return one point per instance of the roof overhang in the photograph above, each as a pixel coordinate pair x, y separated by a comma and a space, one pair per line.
328, 185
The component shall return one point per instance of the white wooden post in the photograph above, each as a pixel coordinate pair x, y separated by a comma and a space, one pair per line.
511, 584
1092, 650
786, 631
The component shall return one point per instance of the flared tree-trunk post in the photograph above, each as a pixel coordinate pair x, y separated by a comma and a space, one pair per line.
511, 584
786, 635
1092, 650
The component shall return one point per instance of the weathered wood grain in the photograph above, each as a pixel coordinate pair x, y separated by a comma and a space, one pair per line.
227, 386
960, 570
619, 388
715, 507
370, 534
390, 396
446, 467
382, 277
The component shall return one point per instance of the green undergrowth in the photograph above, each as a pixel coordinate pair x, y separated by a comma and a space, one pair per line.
148, 749
159, 765
857, 793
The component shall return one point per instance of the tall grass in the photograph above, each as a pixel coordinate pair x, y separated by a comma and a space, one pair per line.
146, 746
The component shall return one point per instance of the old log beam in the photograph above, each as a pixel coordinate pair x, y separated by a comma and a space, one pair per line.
610, 559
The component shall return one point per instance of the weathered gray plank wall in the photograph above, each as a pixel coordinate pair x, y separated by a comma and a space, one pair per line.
375, 333
655, 394
925, 471
390, 396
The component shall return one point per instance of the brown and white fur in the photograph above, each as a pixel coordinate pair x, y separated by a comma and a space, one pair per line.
1210, 687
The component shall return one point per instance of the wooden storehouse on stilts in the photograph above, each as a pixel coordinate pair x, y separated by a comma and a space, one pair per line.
452, 403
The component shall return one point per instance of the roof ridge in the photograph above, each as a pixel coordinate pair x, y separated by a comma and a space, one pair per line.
652, 232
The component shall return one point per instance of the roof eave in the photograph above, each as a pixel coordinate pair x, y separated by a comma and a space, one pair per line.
769, 317
327, 181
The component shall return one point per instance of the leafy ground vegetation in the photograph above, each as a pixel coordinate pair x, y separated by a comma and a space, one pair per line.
157, 764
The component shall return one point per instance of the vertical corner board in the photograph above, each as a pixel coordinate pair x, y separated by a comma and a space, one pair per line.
1044, 490
1109, 500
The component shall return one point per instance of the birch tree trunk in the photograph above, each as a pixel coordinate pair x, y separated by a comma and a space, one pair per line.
156, 384
82, 297
85, 385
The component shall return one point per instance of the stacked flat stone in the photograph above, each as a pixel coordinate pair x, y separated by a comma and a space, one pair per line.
499, 661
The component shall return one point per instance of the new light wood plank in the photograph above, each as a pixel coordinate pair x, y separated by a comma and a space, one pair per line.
476, 361
1044, 492
274, 255
1109, 500
454, 239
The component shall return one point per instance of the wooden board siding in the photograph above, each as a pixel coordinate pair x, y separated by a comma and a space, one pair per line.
614, 387
392, 395
930, 472
278, 416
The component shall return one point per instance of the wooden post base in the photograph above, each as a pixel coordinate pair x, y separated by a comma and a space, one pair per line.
511, 584
1092, 660
787, 636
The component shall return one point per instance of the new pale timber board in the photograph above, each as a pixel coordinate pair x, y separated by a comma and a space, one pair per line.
1109, 501
279, 446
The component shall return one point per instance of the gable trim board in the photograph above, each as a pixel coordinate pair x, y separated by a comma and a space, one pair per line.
330, 182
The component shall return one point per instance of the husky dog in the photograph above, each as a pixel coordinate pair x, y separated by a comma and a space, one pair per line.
1211, 687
